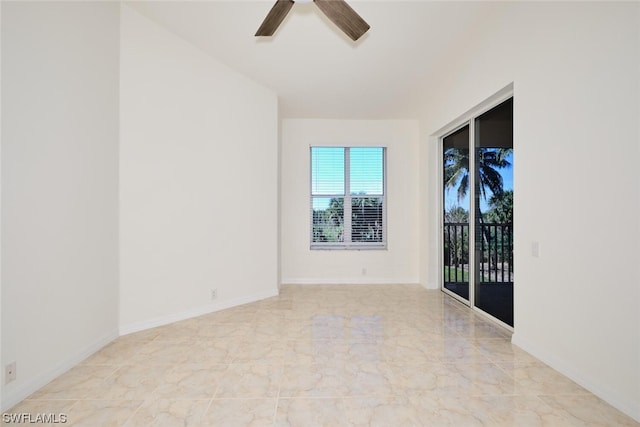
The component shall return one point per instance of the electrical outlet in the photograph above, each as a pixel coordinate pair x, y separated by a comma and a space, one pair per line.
214, 294
10, 373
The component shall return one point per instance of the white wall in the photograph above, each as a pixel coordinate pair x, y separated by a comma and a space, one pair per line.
575, 69
59, 187
198, 180
397, 264
1, 364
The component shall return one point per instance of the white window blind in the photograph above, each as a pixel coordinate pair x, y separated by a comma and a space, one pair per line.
348, 197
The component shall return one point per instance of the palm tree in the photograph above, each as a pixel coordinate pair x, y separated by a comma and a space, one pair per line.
489, 161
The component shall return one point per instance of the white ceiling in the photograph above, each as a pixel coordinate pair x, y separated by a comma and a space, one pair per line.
317, 71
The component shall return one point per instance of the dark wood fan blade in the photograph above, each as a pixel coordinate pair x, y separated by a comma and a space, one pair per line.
345, 18
275, 17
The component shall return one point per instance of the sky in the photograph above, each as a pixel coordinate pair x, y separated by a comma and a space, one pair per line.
328, 172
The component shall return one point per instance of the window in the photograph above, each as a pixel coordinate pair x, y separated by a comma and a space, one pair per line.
348, 198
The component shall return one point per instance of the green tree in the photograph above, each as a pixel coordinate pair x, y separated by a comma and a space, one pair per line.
366, 219
335, 212
328, 223
501, 208
501, 212
456, 214
456, 236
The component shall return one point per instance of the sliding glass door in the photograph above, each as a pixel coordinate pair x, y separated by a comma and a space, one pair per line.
478, 212
456, 254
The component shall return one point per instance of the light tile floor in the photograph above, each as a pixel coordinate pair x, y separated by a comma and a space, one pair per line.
323, 355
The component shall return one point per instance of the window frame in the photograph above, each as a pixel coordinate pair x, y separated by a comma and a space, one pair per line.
347, 244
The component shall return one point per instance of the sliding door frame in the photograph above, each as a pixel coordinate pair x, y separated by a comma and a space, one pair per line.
468, 118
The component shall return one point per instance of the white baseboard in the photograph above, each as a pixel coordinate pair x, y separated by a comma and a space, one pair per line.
622, 403
14, 396
195, 312
351, 281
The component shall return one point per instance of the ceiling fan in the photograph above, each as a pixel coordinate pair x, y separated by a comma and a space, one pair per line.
338, 11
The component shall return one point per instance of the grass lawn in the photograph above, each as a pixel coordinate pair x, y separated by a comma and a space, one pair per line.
457, 275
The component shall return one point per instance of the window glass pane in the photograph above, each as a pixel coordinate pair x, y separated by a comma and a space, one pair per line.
493, 207
366, 170
366, 219
455, 229
327, 171
328, 219
347, 197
